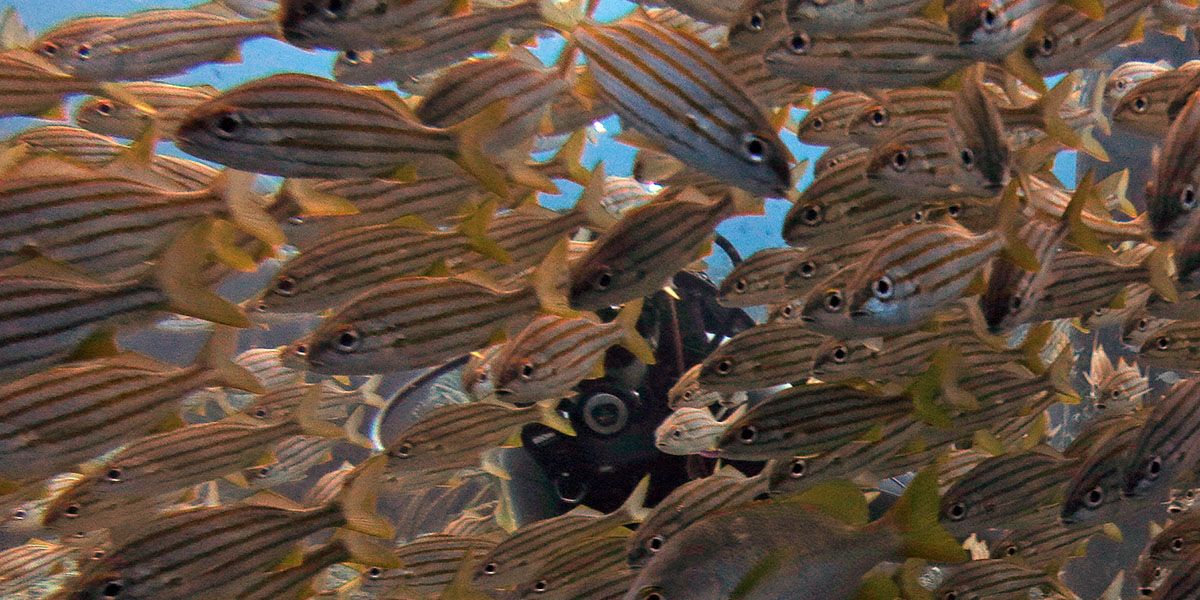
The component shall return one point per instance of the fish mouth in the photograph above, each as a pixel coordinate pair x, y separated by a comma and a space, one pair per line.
710, 453
1162, 235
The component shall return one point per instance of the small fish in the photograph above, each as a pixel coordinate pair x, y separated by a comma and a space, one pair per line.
1094, 494
34, 86
552, 354
1168, 550
1069, 39
1128, 75
1171, 193
1166, 446
1143, 109
118, 119
762, 356
686, 567
1116, 387
428, 564
295, 125
1048, 545
931, 160
518, 557
294, 458
689, 392
994, 29
698, 100
358, 25
1003, 491
691, 431
760, 278
1174, 345
578, 563
848, 17
828, 122
149, 44
994, 578
454, 436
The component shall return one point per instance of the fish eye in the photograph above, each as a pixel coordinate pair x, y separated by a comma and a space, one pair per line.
740, 286
756, 22
957, 511
285, 286
748, 434
1010, 551
798, 44
883, 288
950, 596
786, 311
1115, 394
261, 412
652, 594
490, 568
104, 107
724, 367
300, 350
900, 161
72, 511
879, 117
381, 8
799, 466
49, 48
833, 300
1014, 304
918, 217
404, 450
1142, 324
818, 123
839, 354
228, 124
1146, 591
335, 8
1187, 198
989, 19
655, 543
1154, 468
1140, 104
263, 471
1047, 46
754, 147
526, 370
374, 572
1163, 342
20, 514
98, 554
540, 586
1094, 498
808, 269
114, 475
954, 210
1177, 545
811, 214
678, 433
348, 340
84, 51
351, 57
603, 280
688, 394
112, 589
968, 158
1120, 85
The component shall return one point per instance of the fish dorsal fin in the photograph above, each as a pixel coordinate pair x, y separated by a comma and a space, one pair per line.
271, 499
13, 32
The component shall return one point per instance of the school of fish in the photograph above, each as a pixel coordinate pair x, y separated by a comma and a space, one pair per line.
922, 328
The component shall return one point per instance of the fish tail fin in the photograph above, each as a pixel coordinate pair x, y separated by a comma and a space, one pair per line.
1096, 105
310, 423
633, 340
178, 273
364, 550
214, 356
1050, 108
549, 416
1059, 376
471, 135
1031, 346
570, 156
634, 508
545, 280
591, 201
915, 518
1093, 9
1008, 223
358, 498
1162, 273
474, 227
368, 392
564, 15
1116, 186
236, 188
1078, 231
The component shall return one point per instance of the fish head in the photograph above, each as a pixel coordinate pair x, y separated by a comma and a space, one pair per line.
342, 347
678, 571
808, 220
872, 123
726, 364
912, 163
598, 283
750, 435
1166, 348
688, 392
219, 128
287, 286
103, 581
688, 431
523, 375
1094, 494
803, 52
110, 117
331, 24
757, 25
477, 375
881, 300
1141, 110
837, 359
824, 309
1170, 202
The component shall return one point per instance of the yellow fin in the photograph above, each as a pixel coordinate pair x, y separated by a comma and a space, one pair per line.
178, 275
632, 340
1091, 8
314, 202
474, 227
222, 243
471, 135
1024, 70
550, 417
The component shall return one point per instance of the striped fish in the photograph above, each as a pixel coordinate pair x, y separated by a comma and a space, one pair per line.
1169, 550
1116, 387
70, 414
642, 251
357, 25
1136, 297
409, 323
1171, 193
579, 563
1166, 446
118, 119
678, 93
429, 564
25, 518
174, 460
1174, 345
610, 585
689, 392
31, 564
865, 462
993, 29
478, 521
828, 122
1094, 494
757, 24
224, 550
1003, 491
686, 505
1051, 200
836, 155
1140, 328
95, 150
852, 16
552, 354
1004, 302
454, 436
1069, 39
994, 578
1126, 77
335, 405
436, 45
31, 85
766, 88
1183, 581
1143, 109
524, 552
760, 278
108, 224
297, 580
904, 52
150, 44
929, 160
808, 419
762, 356
294, 458
690, 431
1047, 545
295, 125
